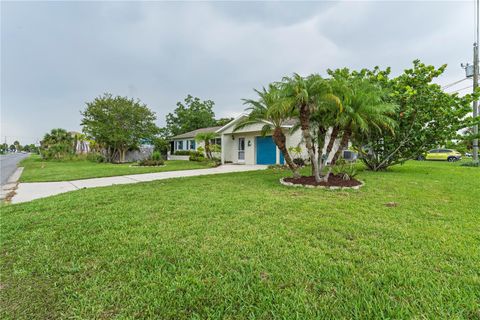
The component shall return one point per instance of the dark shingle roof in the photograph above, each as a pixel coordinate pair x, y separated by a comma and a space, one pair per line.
193, 133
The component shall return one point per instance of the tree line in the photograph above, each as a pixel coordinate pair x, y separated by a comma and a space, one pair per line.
113, 125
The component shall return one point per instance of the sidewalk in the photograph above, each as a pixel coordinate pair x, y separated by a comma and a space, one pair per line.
36, 190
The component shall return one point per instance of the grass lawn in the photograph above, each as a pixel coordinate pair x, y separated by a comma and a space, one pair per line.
241, 245
37, 170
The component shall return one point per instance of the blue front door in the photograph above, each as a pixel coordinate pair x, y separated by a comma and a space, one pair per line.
266, 150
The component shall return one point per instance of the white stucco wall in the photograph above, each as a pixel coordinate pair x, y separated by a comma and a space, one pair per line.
230, 146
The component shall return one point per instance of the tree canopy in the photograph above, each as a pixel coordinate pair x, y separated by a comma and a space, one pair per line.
118, 124
426, 117
190, 115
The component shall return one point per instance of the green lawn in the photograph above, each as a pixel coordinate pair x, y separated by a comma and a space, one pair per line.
241, 245
37, 170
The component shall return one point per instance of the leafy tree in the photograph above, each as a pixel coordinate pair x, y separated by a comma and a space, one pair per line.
206, 137
118, 124
272, 109
426, 117
18, 146
12, 148
222, 121
3, 147
191, 115
31, 148
57, 144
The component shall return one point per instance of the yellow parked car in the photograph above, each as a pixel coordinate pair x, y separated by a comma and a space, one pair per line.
442, 154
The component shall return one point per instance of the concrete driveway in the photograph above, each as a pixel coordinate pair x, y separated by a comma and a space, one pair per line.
35, 190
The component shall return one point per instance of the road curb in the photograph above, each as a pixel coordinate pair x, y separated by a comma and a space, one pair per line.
8, 190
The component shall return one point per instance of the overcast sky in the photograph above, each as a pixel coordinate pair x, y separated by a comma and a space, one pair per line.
55, 56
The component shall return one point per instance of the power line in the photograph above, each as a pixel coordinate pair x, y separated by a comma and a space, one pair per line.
453, 83
467, 87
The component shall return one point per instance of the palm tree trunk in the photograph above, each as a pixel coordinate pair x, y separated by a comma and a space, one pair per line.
336, 150
307, 137
343, 144
331, 142
280, 139
207, 149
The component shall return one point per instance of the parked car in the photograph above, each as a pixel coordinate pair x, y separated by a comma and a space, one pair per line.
449, 155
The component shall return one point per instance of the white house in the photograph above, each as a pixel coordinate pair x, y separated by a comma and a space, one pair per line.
243, 146
248, 146
186, 142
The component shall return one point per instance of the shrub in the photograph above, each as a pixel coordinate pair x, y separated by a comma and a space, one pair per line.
96, 157
151, 162
195, 157
156, 155
182, 153
347, 170
215, 162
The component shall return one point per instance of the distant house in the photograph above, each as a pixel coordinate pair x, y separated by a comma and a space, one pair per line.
186, 141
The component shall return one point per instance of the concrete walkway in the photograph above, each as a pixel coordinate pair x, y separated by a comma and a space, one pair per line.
35, 190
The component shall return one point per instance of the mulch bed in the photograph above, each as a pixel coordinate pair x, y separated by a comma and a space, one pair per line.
333, 181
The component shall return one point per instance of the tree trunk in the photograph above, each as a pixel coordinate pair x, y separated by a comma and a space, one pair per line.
122, 153
279, 139
207, 149
307, 137
343, 145
329, 146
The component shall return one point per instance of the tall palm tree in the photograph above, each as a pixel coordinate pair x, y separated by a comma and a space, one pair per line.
272, 110
308, 95
206, 137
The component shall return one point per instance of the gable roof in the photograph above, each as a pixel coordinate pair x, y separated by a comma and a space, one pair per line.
193, 133
286, 124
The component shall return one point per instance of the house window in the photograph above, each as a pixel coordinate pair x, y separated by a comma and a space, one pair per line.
192, 144
217, 141
180, 145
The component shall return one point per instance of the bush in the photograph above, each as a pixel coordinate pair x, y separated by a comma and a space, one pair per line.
195, 157
215, 162
347, 170
299, 162
151, 162
156, 155
182, 153
96, 157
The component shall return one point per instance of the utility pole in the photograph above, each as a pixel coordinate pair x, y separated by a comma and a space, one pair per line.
475, 80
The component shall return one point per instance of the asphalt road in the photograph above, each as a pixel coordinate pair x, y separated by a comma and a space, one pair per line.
8, 165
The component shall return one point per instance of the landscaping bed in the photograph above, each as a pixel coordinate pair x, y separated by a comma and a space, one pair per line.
333, 181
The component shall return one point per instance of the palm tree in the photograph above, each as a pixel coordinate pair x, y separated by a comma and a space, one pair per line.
364, 109
57, 143
272, 110
206, 137
308, 95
